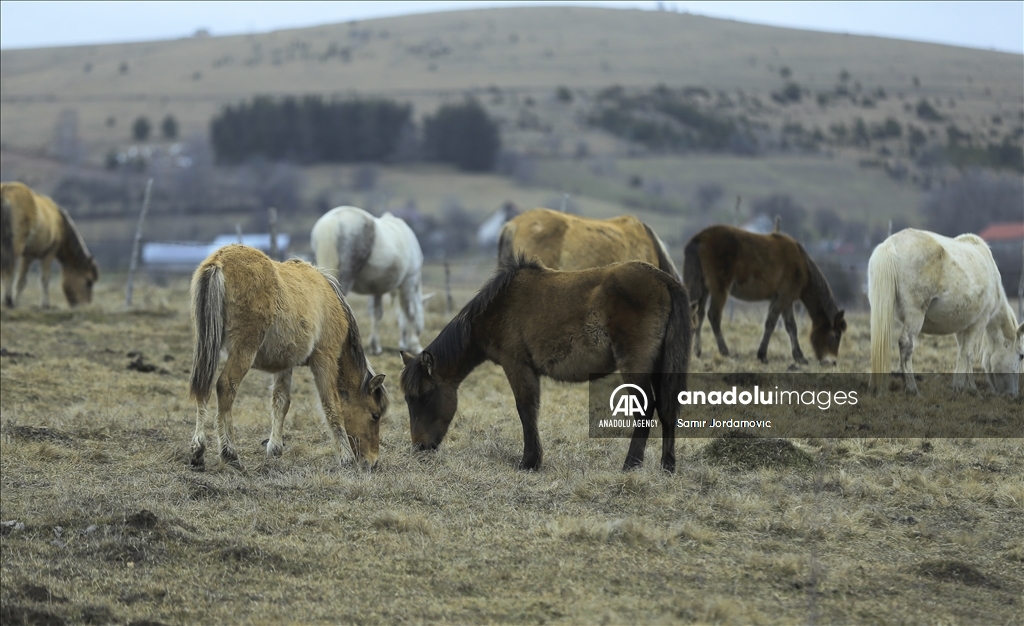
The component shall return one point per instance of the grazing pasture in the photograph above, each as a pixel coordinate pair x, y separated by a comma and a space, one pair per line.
104, 523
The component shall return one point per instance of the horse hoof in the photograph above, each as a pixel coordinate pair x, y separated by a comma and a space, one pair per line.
197, 465
763, 358
529, 466
632, 464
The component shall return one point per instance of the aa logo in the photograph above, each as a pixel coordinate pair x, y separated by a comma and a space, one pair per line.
628, 404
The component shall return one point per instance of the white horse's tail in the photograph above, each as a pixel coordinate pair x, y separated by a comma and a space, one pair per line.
882, 286
323, 240
208, 292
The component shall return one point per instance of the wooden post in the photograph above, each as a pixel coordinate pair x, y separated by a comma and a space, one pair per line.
272, 218
238, 231
448, 304
134, 261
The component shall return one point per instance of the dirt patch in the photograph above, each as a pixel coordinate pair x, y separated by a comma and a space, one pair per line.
38, 433
143, 520
749, 451
23, 615
957, 571
39, 593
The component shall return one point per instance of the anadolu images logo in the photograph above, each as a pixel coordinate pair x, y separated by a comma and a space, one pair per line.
628, 403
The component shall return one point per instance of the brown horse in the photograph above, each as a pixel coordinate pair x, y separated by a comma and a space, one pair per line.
567, 242
33, 227
274, 316
722, 260
569, 326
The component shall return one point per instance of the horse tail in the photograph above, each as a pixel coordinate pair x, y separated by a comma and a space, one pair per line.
665, 263
882, 286
675, 354
208, 293
505, 252
6, 233
693, 273
323, 240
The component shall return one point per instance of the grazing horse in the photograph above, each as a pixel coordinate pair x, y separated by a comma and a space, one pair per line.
33, 227
274, 316
374, 256
722, 260
567, 242
940, 286
568, 326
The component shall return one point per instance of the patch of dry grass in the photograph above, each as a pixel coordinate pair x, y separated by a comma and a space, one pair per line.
111, 526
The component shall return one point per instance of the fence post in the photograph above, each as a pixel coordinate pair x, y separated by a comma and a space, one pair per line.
272, 218
134, 260
238, 231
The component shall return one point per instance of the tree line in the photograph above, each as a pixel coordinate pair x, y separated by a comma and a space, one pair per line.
313, 130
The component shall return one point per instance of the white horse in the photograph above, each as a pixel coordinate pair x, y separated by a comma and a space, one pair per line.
374, 256
941, 286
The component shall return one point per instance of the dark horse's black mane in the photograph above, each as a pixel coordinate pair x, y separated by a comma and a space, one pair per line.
454, 338
819, 287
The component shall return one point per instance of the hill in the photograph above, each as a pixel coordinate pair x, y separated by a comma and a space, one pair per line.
886, 119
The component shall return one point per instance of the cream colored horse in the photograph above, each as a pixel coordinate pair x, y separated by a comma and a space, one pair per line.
940, 286
33, 227
374, 256
273, 317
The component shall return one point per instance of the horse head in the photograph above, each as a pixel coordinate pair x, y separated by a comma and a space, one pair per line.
362, 420
1004, 352
432, 401
77, 282
825, 338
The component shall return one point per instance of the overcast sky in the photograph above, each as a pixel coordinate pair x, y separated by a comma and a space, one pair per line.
986, 25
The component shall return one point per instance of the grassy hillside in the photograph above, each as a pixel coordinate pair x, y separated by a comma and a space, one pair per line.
543, 73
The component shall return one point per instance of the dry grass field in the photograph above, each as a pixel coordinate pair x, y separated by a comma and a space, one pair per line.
103, 522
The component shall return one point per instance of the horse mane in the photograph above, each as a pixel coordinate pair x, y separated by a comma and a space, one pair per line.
818, 288
355, 341
454, 338
72, 250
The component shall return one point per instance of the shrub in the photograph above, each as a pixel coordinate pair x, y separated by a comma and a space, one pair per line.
169, 127
463, 134
141, 129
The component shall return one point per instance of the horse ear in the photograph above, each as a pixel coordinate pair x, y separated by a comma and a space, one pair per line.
406, 357
376, 383
840, 321
427, 360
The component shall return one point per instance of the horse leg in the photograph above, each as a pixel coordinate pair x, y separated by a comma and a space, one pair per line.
718, 299
22, 265
411, 301
701, 302
197, 462
911, 328
790, 322
526, 389
281, 399
638, 442
7, 275
45, 265
376, 315
237, 366
769, 327
963, 371
325, 375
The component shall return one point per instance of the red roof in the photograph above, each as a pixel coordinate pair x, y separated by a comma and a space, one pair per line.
1003, 232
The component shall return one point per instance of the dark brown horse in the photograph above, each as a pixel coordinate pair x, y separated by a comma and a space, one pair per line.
723, 260
569, 326
569, 242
